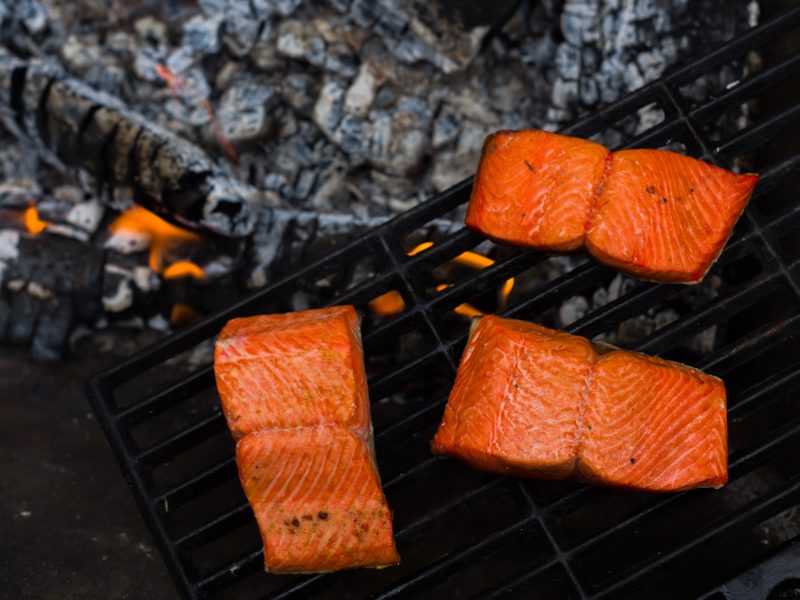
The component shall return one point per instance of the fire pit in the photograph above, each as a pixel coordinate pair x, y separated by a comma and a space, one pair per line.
462, 532
339, 139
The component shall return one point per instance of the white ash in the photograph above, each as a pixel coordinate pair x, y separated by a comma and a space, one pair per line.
242, 111
343, 67
119, 298
9, 249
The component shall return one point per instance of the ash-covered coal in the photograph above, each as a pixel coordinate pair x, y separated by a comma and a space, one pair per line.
341, 112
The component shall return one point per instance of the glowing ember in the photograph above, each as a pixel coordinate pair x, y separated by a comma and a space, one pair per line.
420, 248
162, 235
33, 223
392, 302
183, 268
388, 304
182, 314
176, 83
462, 309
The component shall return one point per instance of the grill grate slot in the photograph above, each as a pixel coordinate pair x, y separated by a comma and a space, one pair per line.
455, 525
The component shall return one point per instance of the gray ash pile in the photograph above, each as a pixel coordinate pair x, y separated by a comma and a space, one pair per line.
264, 132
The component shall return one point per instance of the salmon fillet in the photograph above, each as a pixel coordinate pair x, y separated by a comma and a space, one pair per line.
651, 213
497, 420
665, 216
294, 391
536, 189
655, 425
533, 402
292, 370
317, 499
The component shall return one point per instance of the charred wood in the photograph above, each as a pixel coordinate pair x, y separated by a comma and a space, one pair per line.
130, 158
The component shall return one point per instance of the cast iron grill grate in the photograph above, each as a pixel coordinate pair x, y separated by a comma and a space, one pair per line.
464, 533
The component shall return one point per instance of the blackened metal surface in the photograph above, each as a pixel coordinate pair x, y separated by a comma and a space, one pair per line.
463, 533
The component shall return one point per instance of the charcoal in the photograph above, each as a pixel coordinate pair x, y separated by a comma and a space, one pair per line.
66, 108
352, 135
299, 90
9, 251
201, 35
340, 60
117, 292
123, 150
18, 195
146, 61
81, 52
361, 92
32, 14
285, 8
52, 330
301, 40
24, 313
239, 30
329, 106
242, 111
400, 140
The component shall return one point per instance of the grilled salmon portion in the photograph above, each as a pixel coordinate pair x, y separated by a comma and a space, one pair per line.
533, 402
536, 189
294, 391
652, 213
517, 398
665, 216
651, 424
317, 498
292, 370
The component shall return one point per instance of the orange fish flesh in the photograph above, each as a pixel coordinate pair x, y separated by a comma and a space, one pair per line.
664, 216
654, 214
533, 402
317, 498
535, 189
294, 392
292, 370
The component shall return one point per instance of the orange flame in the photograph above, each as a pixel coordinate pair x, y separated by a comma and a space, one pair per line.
183, 268
388, 304
462, 309
162, 235
176, 83
32, 222
392, 302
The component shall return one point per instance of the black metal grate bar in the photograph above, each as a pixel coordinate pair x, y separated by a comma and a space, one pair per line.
526, 514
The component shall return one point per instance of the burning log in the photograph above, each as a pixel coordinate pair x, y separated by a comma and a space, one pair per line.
130, 158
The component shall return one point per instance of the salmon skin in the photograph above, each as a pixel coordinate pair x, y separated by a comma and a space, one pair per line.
533, 402
294, 392
654, 214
